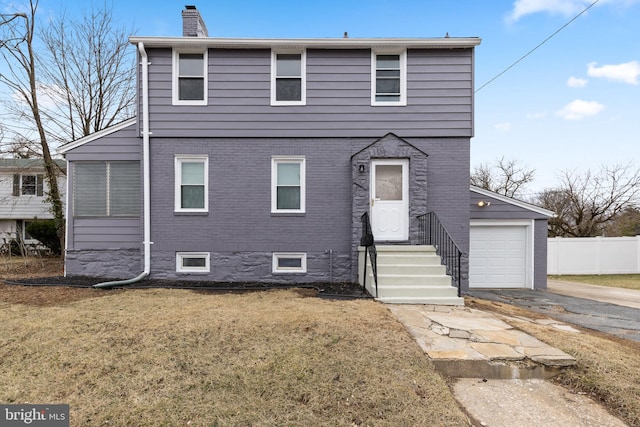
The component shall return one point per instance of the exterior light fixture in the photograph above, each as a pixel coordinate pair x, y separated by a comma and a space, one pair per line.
483, 204
361, 168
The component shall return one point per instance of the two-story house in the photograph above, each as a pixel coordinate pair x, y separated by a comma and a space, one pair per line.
255, 160
23, 191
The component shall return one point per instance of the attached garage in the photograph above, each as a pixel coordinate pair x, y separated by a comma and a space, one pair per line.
507, 242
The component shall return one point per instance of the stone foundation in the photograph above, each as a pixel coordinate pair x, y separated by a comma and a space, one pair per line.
224, 266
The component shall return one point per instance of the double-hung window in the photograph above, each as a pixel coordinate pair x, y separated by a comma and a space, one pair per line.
27, 185
288, 78
389, 78
106, 188
190, 78
288, 185
192, 183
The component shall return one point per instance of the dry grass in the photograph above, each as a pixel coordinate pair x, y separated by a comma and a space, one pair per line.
172, 357
20, 267
608, 368
628, 281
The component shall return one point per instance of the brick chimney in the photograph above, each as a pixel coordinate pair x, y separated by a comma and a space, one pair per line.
192, 23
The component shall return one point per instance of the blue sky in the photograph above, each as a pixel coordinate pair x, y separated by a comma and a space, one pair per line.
572, 104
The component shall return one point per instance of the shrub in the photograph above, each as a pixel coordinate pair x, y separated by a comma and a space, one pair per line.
45, 232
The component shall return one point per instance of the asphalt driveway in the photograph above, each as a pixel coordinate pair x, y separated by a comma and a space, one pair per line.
606, 317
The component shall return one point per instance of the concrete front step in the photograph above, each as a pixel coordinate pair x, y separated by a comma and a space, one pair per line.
416, 280
385, 258
415, 291
423, 300
410, 275
412, 269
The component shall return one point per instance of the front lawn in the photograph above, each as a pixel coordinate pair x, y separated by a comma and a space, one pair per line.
159, 357
628, 281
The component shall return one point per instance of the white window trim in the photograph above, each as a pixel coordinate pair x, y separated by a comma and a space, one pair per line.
289, 270
303, 76
179, 159
274, 183
403, 77
175, 75
182, 269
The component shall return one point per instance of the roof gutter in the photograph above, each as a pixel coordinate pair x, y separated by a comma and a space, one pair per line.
146, 177
314, 43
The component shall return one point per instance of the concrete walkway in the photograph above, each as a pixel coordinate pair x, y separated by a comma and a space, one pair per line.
499, 368
618, 296
468, 343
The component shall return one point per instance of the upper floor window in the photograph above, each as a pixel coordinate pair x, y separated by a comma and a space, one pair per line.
389, 78
288, 78
190, 78
106, 188
27, 185
288, 185
191, 188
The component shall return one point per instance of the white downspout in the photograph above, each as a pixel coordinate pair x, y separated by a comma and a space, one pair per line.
146, 177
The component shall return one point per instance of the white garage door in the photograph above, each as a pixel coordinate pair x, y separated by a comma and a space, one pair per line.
498, 257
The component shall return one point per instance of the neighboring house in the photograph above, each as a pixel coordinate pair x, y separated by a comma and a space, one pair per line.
23, 190
255, 159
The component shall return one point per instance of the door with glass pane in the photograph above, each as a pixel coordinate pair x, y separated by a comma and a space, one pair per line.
390, 199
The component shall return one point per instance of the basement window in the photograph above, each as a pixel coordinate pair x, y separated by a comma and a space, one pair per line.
192, 262
289, 262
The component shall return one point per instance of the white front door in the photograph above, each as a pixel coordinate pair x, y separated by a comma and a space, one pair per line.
390, 199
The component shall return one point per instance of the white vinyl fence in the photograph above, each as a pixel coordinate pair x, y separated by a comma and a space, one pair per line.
593, 255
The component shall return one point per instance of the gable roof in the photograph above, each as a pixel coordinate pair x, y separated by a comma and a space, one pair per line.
512, 201
97, 135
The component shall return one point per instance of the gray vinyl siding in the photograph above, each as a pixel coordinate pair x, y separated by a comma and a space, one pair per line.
500, 210
439, 97
102, 232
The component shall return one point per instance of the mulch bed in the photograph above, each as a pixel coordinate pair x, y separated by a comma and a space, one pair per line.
341, 290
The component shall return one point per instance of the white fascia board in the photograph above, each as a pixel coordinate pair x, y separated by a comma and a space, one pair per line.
317, 43
97, 135
513, 202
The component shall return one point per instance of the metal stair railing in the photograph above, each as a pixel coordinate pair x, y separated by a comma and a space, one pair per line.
432, 232
369, 244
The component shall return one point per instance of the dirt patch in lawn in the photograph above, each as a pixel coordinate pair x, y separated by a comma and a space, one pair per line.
608, 368
18, 268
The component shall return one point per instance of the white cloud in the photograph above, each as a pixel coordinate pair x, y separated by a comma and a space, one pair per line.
502, 127
629, 72
555, 7
566, 8
579, 109
576, 82
537, 116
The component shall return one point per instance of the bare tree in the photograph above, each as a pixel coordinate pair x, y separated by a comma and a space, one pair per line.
80, 80
17, 49
586, 203
626, 223
505, 176
90, 74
